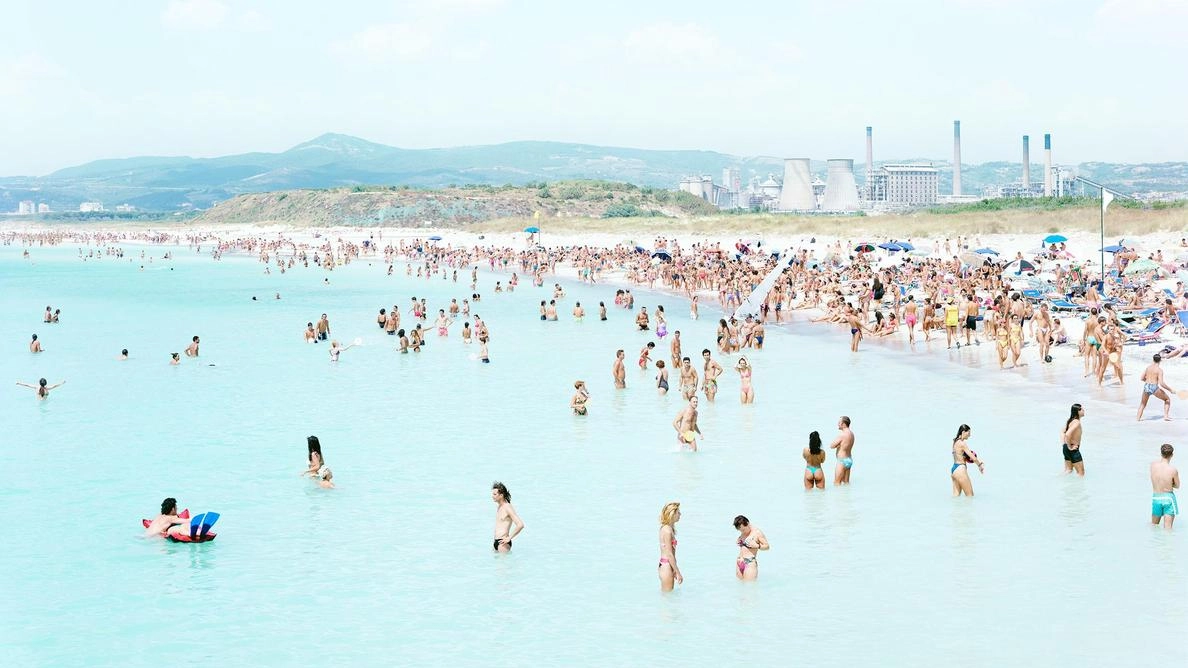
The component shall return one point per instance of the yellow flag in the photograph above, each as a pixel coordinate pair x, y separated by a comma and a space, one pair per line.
536, 214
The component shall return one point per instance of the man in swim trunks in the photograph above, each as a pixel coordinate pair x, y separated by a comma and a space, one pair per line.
1072, 441
619, 370
323, 328
168, 520
1155, 386
685, 422
712, 371
1165, 479
507, 523
192, 349
688, 379
641, 320
844, 445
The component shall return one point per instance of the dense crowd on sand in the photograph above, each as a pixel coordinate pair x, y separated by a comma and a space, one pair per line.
951, 289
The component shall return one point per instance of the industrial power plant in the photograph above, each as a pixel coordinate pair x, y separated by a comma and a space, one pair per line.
888, 187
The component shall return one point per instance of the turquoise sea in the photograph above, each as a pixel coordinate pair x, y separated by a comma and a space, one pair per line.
394, 567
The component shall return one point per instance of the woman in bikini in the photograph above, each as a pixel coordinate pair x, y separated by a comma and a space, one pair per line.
670, 574
1016, 339
580, 397
814, 457
962, 456
750, 541
1002, 339
42, 388
747, 392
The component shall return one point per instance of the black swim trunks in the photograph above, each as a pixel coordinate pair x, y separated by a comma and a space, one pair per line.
971, 322
500, 541
1072, 456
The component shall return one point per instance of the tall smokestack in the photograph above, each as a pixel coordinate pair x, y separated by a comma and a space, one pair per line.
869, 165
956, 158
1026, 163
1047, 165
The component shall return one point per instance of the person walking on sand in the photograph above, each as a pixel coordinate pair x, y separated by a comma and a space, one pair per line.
508, 524
1155, 386
1165, 479
750, 542
670, 574
1072, 441
844, 447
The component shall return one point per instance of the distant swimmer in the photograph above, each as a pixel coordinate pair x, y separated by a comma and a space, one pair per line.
484, 354
42, 388
580, 397
814, 457
1155, 386
686, 427
49, 314
962, 456
508, 524
619, 370
602, 311
123, 355
336, 349
174, 359
1165, 479
168, 521
1072, 441
844, 446
192, 349
747, 393
693, 308
670, 574
750, 541
35, 345
465, 332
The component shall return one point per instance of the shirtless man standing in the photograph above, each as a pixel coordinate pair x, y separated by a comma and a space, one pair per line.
688, 379
35, 345
685, 422
844, 445
675, 347
507, 523
619, 370
712, 370
1165, 479
1155, 386
192, 349
856, 328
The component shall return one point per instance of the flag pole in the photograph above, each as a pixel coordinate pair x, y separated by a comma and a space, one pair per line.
1103, 283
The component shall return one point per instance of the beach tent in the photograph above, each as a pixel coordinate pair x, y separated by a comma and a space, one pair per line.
1018, 268
986, 251
1140, 266
1055, 239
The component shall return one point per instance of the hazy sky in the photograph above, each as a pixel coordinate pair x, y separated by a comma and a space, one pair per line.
85, 79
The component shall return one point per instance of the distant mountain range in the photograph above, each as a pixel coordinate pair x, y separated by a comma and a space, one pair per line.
335, 160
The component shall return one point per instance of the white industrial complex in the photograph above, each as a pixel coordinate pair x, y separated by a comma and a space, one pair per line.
890, 186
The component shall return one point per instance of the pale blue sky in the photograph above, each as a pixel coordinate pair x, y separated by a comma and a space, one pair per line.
94, 79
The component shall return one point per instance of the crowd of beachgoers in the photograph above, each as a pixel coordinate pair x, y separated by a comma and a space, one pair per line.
1022, 304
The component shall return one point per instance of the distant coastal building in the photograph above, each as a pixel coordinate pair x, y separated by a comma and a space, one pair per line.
25, 207
125, 208
909, 185
87, 207
43, 208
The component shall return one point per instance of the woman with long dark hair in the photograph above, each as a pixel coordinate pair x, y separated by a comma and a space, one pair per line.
1072, 441
962, 456
814, 457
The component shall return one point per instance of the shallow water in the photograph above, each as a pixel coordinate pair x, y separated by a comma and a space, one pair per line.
395, 566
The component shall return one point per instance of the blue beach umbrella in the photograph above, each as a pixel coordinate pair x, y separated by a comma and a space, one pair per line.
1113, 249
986, 251
891, 246
1055, 239
905, 246
662, 254
532, 230
864, 248
434, 238
640, 249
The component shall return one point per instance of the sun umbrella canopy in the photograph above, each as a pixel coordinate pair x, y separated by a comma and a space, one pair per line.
1140, 266
972, 259
1055, 239
920, 252
532, 230
434, 238
661, 253
891, 246
1113, 249
905, 245
864, 248
1019, 267
986, 251
640, 249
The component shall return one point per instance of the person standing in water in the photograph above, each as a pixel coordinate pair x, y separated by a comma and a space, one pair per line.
1154, 386
712, 370
747, 392
42, 388
192, 349
1165, 479
844, 446
688, 379
580, 397
507, 523
35, 345
619, 370
336, 350
1072, 441
661, 378
686, 425
814, 457
750, 541
963, 455
670, 574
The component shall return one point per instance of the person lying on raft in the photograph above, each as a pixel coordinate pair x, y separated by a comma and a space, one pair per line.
168, 521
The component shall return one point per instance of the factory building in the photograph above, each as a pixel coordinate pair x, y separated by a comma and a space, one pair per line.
908, 185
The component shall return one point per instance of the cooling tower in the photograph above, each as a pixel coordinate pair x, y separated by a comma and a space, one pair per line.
841, 192
956, 158
869, 165
797, 193
1026, 163
1047, 165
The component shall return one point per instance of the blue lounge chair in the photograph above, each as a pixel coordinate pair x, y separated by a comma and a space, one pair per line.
1065, 305
1144, 336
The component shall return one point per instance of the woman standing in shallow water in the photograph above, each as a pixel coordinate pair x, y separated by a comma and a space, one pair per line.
814, 457
42, 388
670, 574
962, 456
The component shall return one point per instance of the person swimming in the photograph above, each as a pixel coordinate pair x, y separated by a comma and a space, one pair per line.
42, 388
